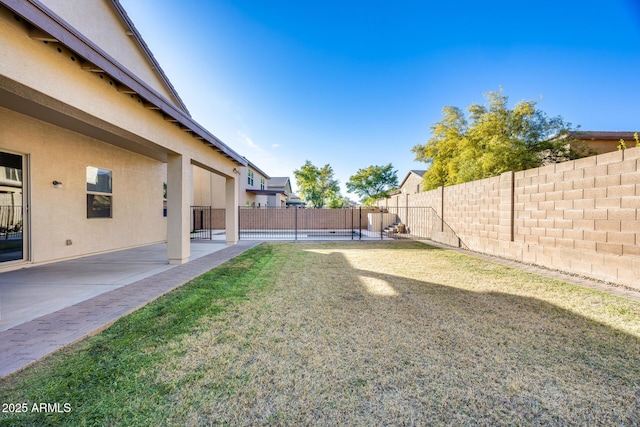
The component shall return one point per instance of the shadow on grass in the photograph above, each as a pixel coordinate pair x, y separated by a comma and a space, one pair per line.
380, 348
493, 357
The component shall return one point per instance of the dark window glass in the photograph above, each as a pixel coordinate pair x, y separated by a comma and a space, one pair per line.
11, 225
98, 206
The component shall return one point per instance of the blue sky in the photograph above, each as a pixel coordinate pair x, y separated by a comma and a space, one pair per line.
357, 83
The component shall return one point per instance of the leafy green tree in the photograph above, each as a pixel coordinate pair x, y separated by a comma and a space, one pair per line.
373, 183
339, 202
495, 139
317, 186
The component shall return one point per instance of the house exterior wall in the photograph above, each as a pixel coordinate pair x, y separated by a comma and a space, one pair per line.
413, 184
51, 104
252, 199
98, 20
94, 94
606, 146
208, 189
61, 214
278, 201
581, 216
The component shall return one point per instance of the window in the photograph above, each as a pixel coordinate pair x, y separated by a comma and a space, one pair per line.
262, 183
99, 199
250, 177
12, 174
164, 199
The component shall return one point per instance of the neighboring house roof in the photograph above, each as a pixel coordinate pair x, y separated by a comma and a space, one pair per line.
602, 135
419, 173
50, 27
603, 141
267, 192
280, 183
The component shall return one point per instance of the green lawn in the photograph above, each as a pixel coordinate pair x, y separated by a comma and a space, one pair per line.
385, 333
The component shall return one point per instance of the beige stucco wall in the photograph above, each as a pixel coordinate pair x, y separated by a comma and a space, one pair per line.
60, 214
278, 201
606, 146
251, 199
208, 189
100, 23
49, 75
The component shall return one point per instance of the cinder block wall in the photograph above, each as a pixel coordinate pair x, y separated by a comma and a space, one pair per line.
289, 219
581, 216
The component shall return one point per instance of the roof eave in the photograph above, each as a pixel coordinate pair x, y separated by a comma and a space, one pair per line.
46, 20
136, 34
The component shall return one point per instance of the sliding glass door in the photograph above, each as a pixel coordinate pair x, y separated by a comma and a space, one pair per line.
11, 207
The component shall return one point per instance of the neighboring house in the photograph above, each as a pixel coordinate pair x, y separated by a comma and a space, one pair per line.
90, 131
295, 201
252, 189
604, 141
281, 188
412, 183
255, 192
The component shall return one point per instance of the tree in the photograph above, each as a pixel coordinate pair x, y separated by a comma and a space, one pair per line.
316, 186
373, 183
495, 139
339, 202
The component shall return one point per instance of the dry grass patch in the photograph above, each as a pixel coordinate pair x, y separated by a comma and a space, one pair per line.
393, 334
387, 333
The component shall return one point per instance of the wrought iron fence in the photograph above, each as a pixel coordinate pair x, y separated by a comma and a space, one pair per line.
276, 223
206, 222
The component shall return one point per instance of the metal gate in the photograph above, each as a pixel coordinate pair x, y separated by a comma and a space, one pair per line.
276, 223
206, 222
297, 224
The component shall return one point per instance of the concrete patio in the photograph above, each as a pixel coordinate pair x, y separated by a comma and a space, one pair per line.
44, 308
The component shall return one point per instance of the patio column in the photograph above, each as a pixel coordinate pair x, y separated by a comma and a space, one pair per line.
231, 209
178, 206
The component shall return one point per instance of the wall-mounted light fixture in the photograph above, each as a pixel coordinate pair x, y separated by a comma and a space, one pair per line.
57, 184
235, 170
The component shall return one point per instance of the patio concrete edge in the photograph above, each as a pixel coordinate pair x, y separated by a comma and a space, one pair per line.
27, 343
